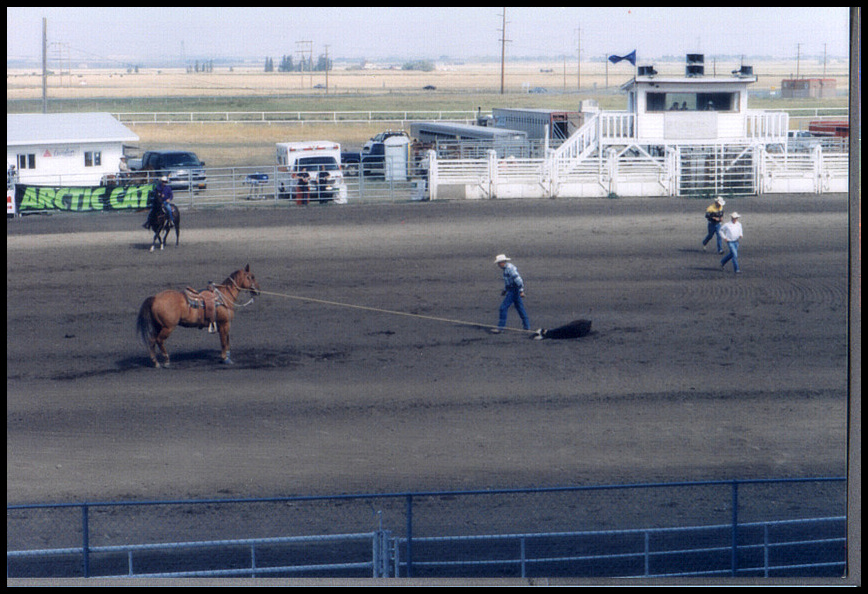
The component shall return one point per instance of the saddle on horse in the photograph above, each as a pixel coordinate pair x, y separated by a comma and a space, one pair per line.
206, 300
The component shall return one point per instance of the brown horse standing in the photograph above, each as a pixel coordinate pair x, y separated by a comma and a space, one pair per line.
161, 313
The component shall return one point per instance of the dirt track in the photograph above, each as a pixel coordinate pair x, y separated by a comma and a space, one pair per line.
690, 373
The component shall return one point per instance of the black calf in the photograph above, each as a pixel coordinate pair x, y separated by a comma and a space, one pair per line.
575, 329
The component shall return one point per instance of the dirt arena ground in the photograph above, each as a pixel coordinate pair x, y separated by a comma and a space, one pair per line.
690, 372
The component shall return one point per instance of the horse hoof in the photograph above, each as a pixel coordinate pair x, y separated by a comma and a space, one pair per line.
228, 361
152, 249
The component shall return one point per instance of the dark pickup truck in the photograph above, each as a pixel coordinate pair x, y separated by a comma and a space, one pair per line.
371, 161
183, 168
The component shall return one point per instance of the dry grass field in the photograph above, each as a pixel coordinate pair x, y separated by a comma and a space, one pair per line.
460, 87
555, 76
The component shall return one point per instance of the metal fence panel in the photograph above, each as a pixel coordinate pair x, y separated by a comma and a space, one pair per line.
735, 528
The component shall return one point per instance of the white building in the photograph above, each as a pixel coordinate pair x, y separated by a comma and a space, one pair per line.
679, 136
65, 149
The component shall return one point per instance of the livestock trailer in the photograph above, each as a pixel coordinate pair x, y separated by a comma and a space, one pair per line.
560, 124
468, 141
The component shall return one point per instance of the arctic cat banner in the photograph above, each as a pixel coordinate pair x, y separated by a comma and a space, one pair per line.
42, 198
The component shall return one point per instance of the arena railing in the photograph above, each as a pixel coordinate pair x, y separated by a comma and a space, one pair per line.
451, 533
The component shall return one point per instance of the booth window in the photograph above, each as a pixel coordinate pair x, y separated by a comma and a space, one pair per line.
92, 158
27, 161
692, 101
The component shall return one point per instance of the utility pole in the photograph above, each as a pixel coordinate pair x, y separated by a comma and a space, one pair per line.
579, 59
44, 66
310, 59
503, 41
327, 69
798, 56
824, 60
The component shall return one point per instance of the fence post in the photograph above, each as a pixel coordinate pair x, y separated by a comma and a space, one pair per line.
432, 175
85, 542
734, 560
492, 174
382, 538
409, 535
647, 554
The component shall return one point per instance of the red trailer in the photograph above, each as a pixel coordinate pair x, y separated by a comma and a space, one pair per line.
834, 128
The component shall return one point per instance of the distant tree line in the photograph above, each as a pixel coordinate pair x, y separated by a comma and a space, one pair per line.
423, 65
287, 64
207, 66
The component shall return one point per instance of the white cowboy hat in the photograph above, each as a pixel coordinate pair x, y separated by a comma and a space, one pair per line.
735, 215
501, 258
164, 179
720, 200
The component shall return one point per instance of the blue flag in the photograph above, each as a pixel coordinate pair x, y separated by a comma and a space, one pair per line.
631, 57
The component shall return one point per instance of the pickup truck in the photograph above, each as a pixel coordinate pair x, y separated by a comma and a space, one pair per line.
183, 168
371, 161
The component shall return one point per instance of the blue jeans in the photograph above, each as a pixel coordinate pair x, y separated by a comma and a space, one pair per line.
513, 297
167, 208
732, 255
713, 231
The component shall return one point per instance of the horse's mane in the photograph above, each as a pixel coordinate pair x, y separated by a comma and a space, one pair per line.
231, 279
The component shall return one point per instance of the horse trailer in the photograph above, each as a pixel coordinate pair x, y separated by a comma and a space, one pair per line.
466, 140
539, 123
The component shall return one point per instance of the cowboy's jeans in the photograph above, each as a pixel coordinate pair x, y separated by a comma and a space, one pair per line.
513, 297
732, 255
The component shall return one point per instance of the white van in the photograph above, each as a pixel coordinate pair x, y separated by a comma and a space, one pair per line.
310, 171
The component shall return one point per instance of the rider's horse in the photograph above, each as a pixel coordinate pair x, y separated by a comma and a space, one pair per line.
161, 313
161, 224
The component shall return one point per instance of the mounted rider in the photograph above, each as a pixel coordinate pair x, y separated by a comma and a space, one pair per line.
162, 198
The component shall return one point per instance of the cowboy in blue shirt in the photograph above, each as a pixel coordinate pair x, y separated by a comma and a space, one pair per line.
166, 195
513, 292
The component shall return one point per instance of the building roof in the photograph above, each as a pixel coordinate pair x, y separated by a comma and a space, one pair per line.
690, 80
65, 128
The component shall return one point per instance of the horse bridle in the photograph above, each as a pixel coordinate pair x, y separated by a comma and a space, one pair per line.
240, 288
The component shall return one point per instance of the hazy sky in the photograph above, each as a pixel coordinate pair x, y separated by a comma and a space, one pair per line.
154, 34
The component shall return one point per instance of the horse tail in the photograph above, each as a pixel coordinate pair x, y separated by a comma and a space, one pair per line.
145, 321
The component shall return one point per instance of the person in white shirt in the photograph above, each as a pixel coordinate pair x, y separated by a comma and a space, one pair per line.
731, 233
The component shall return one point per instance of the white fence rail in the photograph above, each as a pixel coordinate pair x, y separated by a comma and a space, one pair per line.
291, 117
682, 171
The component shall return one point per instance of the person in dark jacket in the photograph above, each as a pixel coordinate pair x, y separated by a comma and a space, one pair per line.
714, 217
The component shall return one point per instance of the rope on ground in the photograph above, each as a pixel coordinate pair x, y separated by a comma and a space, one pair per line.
388, 311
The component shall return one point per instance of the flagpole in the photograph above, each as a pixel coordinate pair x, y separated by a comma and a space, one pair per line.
607, 72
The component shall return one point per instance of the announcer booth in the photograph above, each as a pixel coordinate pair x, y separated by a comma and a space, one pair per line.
691, 109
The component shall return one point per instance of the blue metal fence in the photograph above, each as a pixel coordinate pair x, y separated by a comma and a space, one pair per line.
449, 534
